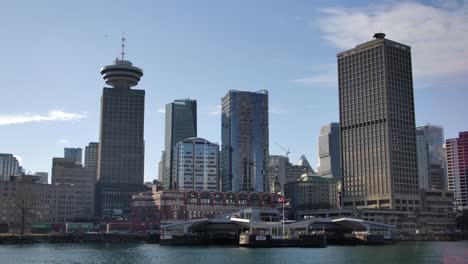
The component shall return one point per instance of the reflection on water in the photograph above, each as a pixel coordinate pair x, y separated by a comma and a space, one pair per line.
116, 253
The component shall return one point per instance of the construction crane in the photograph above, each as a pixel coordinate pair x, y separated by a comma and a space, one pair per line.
284, 149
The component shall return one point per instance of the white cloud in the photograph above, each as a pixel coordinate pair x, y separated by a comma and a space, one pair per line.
19, 158
319, 80
161, 110
63, 141
437, 34
55, 115
215, 110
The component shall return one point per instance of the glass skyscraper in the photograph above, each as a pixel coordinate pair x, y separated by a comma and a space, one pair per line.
377, 123
75, 154
181, 123
431, 157
244, 136
329, 151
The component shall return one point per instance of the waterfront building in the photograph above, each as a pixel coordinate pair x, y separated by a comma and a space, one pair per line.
312, 192
436, 214
181, 123
50, 203
66, 171
245, 141
91, 156
431, 157
196, 164
121, 139
377, 124
144, 208
43, 177
457, 168
330, 151
182, 205
9, 166
75, 154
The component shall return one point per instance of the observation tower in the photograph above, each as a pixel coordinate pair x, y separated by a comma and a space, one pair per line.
122, 73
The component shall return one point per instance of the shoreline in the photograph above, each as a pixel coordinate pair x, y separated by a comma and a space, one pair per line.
14, 239
75, 238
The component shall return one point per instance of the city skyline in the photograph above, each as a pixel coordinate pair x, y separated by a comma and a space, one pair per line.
173, 70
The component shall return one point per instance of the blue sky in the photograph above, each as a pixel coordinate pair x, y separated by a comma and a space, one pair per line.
52, 51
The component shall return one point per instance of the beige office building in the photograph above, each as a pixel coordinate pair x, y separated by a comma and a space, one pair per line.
49, 203
66, 171
377, 123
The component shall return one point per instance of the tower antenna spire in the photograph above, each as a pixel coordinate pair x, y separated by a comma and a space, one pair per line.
123, 46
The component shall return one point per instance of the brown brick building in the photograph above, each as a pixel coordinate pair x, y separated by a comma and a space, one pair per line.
181, 205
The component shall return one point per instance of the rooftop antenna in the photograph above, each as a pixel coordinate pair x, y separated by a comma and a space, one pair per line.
123, 46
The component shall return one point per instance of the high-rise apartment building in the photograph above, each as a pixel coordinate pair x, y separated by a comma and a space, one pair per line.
457, 168
9, 166
196, 164
330, 151
121, 139
431, 157
181, 123
67, 172
377, 124
244, 135
75, 154
91, 156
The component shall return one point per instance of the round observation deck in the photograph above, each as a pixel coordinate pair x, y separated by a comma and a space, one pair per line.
121, 74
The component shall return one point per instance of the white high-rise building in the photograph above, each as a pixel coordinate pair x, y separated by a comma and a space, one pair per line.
196, 164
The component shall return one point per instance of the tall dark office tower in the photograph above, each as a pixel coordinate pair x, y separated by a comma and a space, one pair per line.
181, 123
378, 132
330, 151
431, 157
244, 136
121, 139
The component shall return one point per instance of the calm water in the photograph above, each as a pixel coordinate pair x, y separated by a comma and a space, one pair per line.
407, 252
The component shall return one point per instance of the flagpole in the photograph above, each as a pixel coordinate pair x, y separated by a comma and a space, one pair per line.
283, 217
